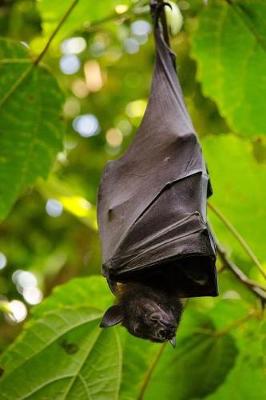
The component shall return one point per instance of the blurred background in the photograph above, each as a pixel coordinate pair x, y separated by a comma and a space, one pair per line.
103, 64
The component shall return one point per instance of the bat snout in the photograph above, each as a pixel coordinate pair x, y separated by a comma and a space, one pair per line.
166, 334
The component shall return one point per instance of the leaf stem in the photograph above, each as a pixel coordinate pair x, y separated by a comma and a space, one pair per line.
57, 29
233, 325
114, 17
15, 85
243, 14
237, 323
150, 371
26, 72
238, 236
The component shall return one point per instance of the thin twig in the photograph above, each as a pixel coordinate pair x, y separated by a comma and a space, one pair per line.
127, 15
255, 287
238, 236
27, 71
233, 325
149, 373
114, 17
16, 84
57, 29
237, 323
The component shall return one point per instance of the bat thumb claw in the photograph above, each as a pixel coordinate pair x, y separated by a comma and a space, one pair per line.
173, 342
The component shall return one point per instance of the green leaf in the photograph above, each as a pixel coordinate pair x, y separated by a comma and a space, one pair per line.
237, 180
247, 379
232, 289
138, 356
81, 16
63, 354
153, 371
229, 46
226, 312
202, 359
92, 291
30, 127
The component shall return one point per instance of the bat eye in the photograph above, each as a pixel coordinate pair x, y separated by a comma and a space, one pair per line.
162, 334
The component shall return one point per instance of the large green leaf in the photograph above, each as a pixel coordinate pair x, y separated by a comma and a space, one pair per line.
138, 357
141, 356
92, 291
63, 354
202, 359
83, 13
247, 327
247, 379
153, 371
238, 181
30, 127
229, 46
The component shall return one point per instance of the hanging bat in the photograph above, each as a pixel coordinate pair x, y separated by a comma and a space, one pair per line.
156, 243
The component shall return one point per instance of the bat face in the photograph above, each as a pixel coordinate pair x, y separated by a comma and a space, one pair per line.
146, 313
147, 319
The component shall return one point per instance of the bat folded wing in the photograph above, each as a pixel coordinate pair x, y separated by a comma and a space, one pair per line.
171, 233
152, 200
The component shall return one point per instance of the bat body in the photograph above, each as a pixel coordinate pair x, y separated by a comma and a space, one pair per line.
152, 212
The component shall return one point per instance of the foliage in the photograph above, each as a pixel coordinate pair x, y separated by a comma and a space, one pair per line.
89, 362
48, 187
27, 119
233, 75
242, 207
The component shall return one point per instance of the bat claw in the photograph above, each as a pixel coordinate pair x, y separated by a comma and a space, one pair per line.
173, 342
157, 7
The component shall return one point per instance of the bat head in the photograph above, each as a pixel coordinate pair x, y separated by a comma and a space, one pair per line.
149, 319
146, 313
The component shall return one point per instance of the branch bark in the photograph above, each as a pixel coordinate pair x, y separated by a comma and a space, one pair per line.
57, 29
238, 236
256, 288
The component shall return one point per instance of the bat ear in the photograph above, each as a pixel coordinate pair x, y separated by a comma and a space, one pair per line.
113, 316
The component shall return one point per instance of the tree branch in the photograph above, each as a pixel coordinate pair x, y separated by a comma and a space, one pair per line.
38, 59
57, 29
150, 371
256, 288
238, 236
113, 17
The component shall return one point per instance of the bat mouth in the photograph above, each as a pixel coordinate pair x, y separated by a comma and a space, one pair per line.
164, 334
167, 334
162, 339
165, 324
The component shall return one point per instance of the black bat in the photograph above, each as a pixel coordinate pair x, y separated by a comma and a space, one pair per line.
157, 246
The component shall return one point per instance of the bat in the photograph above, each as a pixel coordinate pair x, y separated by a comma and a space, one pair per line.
156, 243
